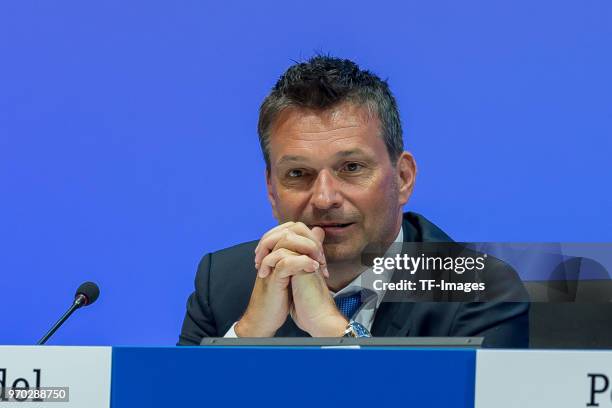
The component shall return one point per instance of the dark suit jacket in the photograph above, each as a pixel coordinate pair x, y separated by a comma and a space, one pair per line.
225, 279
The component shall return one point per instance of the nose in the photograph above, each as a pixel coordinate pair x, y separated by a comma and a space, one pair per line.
326, 193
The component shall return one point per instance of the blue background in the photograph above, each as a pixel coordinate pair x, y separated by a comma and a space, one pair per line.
128, 143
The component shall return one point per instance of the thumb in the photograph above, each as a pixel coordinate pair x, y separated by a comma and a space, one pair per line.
319, 233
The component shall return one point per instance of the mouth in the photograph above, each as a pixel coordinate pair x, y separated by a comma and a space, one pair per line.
335, 228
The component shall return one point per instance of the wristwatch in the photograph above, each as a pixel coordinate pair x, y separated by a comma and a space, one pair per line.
354, 329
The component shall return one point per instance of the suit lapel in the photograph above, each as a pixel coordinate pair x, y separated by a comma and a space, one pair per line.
392, 319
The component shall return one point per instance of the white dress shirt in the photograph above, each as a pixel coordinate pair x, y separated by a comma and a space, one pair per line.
371, 298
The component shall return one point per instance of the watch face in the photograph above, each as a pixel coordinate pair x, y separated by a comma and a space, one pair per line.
357, 330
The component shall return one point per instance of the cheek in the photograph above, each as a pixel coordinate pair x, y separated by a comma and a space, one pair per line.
378, 197
378, 204
290, 205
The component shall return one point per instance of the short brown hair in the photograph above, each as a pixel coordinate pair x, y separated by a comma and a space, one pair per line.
323, 82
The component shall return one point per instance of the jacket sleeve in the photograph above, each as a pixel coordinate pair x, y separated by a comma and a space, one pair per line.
199, 320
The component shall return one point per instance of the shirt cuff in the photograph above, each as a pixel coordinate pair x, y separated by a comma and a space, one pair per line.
231, 334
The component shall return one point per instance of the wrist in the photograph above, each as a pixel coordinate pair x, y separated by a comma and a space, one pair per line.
332, 326
246, 328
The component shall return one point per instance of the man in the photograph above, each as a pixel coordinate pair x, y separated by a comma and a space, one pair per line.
337, 178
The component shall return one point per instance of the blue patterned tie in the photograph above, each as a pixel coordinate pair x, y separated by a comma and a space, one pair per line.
348, 305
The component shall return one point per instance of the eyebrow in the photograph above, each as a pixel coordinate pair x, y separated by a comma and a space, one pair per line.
343, 153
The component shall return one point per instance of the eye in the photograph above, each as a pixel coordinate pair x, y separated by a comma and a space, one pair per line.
295, 173
352, 167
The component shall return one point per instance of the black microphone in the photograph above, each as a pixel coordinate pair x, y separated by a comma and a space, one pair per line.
85, 295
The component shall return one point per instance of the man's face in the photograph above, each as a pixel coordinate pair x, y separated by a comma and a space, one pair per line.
331, 169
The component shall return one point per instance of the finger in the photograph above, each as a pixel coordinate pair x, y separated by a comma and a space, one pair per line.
295, 265
302, 229
268, 241
319, 235
275, 229
324, 271
302, 245
268, 263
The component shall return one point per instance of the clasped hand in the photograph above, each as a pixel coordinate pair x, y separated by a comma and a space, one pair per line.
291, 272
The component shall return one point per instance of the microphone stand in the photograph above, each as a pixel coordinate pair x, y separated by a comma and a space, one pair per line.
80, 300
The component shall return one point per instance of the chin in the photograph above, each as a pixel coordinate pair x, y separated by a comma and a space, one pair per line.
341, 252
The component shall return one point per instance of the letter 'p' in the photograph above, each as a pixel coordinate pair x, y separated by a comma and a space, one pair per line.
595, 390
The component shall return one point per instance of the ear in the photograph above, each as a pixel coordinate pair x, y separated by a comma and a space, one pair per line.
271, 197
406, 176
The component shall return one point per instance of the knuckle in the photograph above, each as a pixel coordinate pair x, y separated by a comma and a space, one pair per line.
268, 260
281, 264
284, 252
287, 239
300, 225
306, 260
262, 242
292, 261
